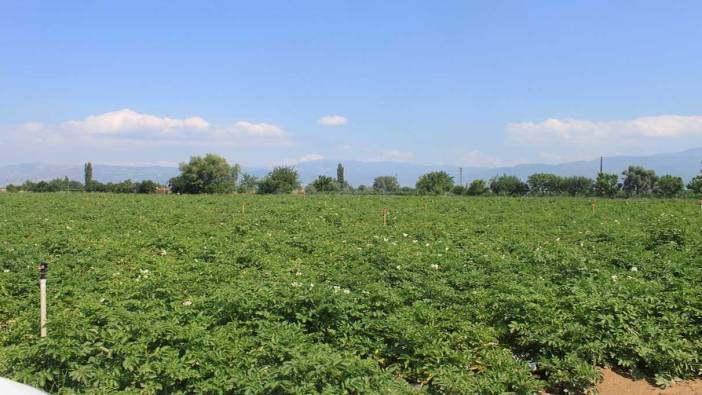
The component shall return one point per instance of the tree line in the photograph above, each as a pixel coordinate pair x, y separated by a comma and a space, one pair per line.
88, 185
213, 174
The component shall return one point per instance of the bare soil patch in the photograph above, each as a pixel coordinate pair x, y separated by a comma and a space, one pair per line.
616, 384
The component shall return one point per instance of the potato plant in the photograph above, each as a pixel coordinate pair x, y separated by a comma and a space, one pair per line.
188, 294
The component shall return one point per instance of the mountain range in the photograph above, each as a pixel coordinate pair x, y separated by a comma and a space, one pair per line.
685, 164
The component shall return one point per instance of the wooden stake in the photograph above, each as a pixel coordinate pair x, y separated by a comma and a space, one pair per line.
385, 216
243, 207
43, 267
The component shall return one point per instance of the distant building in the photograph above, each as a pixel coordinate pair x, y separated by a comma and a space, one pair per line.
3, 189
163, 190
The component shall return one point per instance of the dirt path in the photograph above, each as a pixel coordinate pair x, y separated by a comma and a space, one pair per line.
615, 384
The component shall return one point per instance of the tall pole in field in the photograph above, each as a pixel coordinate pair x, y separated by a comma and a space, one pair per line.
600, 165
460, 176
43, 267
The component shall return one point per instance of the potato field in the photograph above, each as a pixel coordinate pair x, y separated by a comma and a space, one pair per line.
291, 294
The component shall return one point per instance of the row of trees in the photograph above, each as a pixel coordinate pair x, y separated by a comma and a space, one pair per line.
213, 174
89, 185
635, 181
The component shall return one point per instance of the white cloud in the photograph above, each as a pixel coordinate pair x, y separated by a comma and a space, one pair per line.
126, 120
259, 129
308, 158
574, 131
128, 127
333, 120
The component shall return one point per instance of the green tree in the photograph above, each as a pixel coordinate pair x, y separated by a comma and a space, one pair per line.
508, 185
326, 184
607, 185
668, 186
544, 183
435, 182
340, 175
477, 187
281, 180
386, 184
146, 186
236, 171
247, 184
458, 190
208, 174
695, 184
638, 181
576, 185
88, 176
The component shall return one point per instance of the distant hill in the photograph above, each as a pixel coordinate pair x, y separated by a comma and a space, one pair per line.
685, 164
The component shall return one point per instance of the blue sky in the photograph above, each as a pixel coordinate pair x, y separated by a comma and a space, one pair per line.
263, 83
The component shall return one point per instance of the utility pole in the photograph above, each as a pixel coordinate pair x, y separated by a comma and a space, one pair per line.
460, 175
600, 165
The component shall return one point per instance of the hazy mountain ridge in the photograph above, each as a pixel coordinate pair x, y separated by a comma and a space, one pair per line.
685, 164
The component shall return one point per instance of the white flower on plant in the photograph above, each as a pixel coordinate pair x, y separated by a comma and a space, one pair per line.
337, 288
405, 235
187, 302
162, 252
435, 266
347, 291
614, 277
385, 239
365, 292
295, 284
102, 300
426, 245
6, 270
558, 239
299, 273
634, 269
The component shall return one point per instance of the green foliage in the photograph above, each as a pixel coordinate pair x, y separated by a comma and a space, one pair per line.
340, 175
607, 185
638, 181
476, 188
668, 186
146, 186
55, 185
458, 190
205, 174
544, 184
576, 185
695, 184
386, 184
434, 183
325, 184
247, 184
280, 180
88, 176
187, 294
508, 185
